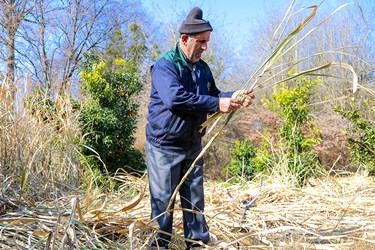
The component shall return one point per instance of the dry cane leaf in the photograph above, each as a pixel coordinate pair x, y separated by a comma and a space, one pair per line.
134, 202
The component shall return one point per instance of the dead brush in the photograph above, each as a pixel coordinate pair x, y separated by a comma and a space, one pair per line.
330, 213
39, 157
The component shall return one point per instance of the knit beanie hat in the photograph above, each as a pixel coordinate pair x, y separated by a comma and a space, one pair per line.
194, 23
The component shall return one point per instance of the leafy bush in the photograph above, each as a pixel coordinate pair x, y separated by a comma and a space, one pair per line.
247, 161
108, 115
293, 154
297, 132
242, 153
361, 140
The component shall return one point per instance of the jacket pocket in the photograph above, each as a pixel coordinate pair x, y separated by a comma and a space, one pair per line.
173, 124
179, 130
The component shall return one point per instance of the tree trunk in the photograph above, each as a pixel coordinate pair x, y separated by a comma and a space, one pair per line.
10, 15
10, 67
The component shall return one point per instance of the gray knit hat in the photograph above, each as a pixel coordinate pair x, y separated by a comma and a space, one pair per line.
194, 23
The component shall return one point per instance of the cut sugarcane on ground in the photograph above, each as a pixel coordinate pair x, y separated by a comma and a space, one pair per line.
329, 213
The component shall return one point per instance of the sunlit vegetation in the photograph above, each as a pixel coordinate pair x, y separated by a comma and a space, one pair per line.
295, 170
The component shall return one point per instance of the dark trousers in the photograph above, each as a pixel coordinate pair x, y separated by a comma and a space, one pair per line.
165, 171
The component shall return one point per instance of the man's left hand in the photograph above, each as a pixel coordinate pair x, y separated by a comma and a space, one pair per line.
244, 96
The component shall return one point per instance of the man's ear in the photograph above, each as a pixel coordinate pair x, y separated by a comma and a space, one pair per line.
184, 38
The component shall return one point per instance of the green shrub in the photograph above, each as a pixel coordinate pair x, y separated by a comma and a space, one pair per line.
241, 164
109, 113
297, 133
247, 161
361, 136
293, 154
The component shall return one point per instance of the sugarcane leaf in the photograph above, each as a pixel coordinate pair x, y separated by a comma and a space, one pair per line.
355, 77
134, 202
310, 31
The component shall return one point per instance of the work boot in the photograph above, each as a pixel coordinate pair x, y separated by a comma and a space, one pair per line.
213, 241
156, 244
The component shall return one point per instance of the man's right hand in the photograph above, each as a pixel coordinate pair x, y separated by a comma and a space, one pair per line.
227, 105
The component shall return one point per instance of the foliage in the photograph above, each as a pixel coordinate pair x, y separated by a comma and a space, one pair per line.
361, 140
137, 49
131, 49
297, 137
108, 115
40, 105
247, 161
297, 133
243, 153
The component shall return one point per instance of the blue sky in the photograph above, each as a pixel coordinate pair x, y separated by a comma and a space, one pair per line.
234, 17
224, 15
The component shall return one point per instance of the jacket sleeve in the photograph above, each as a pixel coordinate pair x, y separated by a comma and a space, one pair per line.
165, 80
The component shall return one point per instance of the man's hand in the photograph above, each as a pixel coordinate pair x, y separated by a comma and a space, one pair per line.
244, 97
227, 105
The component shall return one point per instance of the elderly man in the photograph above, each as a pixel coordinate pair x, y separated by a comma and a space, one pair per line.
183, 93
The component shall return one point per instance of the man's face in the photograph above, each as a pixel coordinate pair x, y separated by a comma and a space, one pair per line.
194, 45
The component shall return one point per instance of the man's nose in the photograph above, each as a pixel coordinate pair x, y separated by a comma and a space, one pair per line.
204, 46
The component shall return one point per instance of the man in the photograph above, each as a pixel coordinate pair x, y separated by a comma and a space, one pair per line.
183, 92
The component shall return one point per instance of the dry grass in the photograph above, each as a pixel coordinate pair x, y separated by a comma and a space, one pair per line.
41, 154
330, 213
43, 207
38, 163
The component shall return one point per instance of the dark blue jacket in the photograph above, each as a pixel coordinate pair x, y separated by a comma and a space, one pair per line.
181, 97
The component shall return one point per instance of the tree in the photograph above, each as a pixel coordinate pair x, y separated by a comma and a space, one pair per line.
344, 37
108, 116
12, 13
55, 35
129, 45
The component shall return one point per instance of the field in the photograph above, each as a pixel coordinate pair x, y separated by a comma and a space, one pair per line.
329, 213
